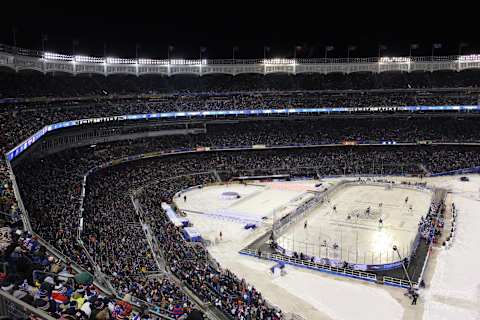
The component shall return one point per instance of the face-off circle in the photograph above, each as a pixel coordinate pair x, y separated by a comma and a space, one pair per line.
230, 195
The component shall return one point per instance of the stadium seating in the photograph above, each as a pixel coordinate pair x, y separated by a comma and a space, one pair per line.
113, 233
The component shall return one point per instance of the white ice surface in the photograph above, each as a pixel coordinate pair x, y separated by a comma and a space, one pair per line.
374, 241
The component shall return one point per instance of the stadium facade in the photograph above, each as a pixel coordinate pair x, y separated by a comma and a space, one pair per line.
24, 59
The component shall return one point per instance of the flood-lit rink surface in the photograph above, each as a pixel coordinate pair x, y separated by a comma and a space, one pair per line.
451, 276
349, 233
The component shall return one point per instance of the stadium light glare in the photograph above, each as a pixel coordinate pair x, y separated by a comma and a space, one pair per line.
386, 60
88, 59
469, 58
185, 62
280, 61
152, 61
111, 60
56, 56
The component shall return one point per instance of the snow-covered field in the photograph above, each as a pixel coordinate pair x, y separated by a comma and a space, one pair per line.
452, 276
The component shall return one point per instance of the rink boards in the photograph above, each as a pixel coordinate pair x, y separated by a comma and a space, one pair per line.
360, 224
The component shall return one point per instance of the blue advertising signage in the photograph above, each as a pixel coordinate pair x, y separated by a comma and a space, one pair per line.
12, 154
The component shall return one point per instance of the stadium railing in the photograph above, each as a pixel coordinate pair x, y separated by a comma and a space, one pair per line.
312, 265
17, 309
397, 282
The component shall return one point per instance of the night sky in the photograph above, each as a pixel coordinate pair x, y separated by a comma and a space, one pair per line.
187, 26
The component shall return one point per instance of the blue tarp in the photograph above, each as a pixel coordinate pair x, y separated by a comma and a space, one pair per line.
172, 216
183, 221
191, 234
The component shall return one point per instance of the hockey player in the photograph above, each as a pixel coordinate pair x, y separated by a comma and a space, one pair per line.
185, 198
406, 200
305, 225
221, 235
334, 208
380, 222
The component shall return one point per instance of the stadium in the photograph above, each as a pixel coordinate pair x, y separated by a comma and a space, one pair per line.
271, 188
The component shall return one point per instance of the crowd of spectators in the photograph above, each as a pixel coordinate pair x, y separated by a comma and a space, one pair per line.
35, 277
114, 237
429, 226
191, 264
113, 234
24, 118
112, 231
33, 84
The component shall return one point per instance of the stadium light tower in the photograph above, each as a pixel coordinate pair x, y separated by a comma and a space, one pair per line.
413, 46
381, 48
295, 51
435, 46
460, 46
234, 49
74, 45
265, 50
328, 49
14, 35
202, 50
170, 49
137, 46
350, 48
44, 41
403, 265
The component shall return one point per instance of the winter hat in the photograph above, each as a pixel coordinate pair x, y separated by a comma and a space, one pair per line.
59, 297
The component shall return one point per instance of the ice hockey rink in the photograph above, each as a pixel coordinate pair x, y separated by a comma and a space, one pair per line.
347, 226
452, 282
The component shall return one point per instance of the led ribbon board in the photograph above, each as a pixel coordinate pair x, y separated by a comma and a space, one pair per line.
12, 154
